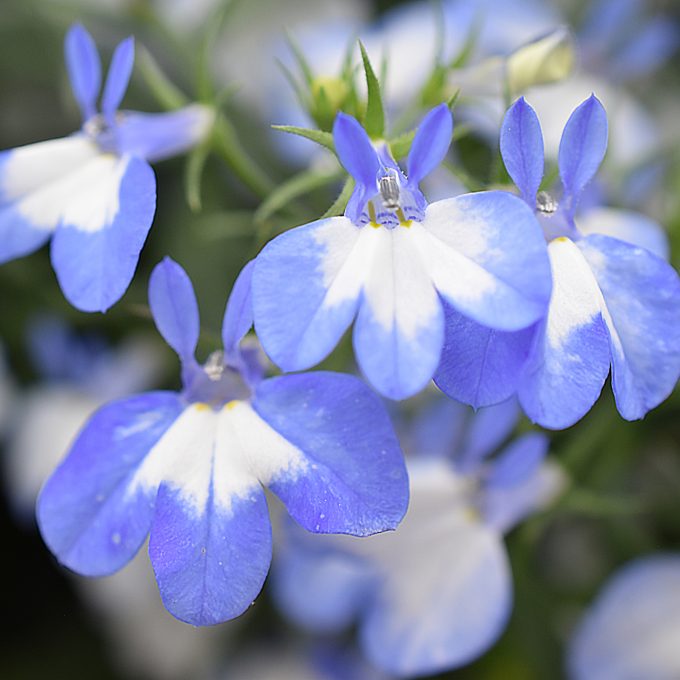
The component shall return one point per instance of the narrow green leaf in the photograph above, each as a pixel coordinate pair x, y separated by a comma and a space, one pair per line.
215, 24
300, 94
340, 203
319, 136
374, 120
401, 145
228, 146
298, 185
167, 94
193, 173
453, 100
300, 59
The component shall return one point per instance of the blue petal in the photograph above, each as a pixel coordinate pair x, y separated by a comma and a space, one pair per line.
210, 563
437, 429
569, 361
430, 144
91, 515
118, 77
399, 331
157, 136
505, 502
522, 149
321, 590
174, 307
96, 248
356, 481
632, 628
238, 316
642, 296
487, 430
486, 254
582, 148
84, 69
480, 366
306, 286
358, 157
519, 460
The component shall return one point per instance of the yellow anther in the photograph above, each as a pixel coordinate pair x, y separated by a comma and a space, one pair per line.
231, 404
200, 406
372, 216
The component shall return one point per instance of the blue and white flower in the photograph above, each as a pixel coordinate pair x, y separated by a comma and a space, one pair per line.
189, 467
614, 303
94, 192
632, 629
436, 593
393, 262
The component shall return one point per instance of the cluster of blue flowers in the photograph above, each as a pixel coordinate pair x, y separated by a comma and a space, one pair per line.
501, 298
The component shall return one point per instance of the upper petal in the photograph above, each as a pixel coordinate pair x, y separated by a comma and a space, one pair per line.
351, 477
84, 69
399, 331
355, 151
118, 77
632, 628
306, 286
642, 297
486, 255
174, 307
91, 512
238, 315
522, 149
104, 213
582, 148
430, 143
570, 357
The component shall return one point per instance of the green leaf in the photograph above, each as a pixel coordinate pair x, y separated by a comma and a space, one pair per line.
193, 173
340, 203
301, 95
401, 145
374, 120
300, 59
167, 94
453, 100
215, 25
228, 146
298, 185
319, 136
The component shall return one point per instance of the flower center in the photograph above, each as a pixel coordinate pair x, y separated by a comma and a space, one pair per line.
545, 203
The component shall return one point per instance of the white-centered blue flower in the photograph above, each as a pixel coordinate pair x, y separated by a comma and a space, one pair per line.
189, 467
632, 629
436, 593
392, 261
94, 192
614, 303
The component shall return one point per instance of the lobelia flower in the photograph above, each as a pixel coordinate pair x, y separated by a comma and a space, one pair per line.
632, 629
437, 592
613, 302
189, 467
93, 191
393, 262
